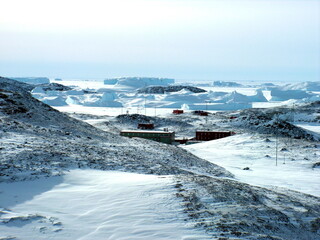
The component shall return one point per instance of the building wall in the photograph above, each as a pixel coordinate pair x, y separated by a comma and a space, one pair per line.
207, 136
165, 137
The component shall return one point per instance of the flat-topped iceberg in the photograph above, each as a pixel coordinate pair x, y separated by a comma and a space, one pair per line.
138, 82
278, 94
306, 86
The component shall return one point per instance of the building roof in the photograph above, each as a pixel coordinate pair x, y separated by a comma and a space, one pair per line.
213, 131
146, 131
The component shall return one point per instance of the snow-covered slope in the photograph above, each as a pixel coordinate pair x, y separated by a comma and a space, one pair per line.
117, 205
252, 159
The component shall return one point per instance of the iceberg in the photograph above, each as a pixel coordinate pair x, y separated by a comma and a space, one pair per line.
278, 94
138, 82
32, 80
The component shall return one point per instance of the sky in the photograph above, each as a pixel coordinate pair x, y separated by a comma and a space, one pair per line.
261, 40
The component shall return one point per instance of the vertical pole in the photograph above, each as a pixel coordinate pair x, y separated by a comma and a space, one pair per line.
293, 109
145, 109
277, 150
277, 122
206, 112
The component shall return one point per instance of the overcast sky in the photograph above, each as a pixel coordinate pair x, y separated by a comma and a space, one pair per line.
184, 39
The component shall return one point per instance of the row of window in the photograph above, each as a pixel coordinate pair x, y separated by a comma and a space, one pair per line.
146, 135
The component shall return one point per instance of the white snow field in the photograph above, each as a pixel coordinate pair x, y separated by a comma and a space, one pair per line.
242, 151
94, 204
310, 126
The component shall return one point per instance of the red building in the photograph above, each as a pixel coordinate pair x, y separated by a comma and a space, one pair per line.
145, 126
208, 135
177, 111
201, 113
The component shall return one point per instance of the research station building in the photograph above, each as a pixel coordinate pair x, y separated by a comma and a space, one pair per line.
159, 136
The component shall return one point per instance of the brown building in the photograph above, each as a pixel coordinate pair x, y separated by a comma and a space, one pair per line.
177, 111
201, 113
159, 136
209, 135
145, 126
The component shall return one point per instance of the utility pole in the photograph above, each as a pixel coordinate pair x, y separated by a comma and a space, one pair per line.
145, 109
293, 110
276, 149
277, 122
207, 110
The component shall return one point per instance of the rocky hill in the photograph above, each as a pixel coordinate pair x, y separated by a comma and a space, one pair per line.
162, 90
278, 121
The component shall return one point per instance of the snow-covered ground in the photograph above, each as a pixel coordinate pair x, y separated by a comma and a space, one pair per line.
94, 204
310, 126
188, 199
252, 160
